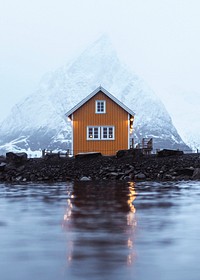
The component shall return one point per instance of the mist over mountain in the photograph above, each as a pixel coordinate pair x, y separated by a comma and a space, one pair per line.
39, 121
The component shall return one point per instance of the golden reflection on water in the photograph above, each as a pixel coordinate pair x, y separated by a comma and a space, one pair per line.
67, 225
132, 197
80, 199
68, 213
131, 222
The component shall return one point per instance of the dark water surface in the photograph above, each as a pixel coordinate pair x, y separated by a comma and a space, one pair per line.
97, 231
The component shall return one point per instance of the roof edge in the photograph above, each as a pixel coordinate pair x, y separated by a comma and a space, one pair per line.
87, 98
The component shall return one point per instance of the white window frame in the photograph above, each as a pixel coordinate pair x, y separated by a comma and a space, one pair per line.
108, 136
93, 128
100, 132
104, 107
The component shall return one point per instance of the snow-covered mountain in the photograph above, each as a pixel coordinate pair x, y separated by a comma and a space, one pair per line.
193, 141
39, 122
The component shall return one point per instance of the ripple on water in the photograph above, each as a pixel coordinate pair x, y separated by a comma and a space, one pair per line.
100, 230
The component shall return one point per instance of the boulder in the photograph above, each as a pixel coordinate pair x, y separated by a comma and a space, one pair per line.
140, 176
114, 175
127, 178
130, 152
196, 174
85, 178
10, 166
16, 157
88, 155
167, 153
2, 159
127, 172
2, 166
185, 171
168, 177
52, 156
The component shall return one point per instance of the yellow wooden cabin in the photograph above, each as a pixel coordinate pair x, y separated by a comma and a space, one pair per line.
100, 123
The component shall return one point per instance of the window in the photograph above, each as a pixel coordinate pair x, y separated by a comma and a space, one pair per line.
107, 132
100, 133
93, 133
100, 107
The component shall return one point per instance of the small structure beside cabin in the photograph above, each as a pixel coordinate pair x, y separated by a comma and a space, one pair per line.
100, 123
146, 146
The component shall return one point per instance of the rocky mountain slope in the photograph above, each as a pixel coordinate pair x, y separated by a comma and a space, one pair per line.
39, 121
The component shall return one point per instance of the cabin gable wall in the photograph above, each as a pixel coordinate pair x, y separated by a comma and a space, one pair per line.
86, 116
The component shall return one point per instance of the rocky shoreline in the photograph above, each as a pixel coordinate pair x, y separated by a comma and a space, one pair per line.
126, 167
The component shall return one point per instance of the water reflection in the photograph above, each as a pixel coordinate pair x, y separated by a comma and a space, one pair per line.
131, 222
100, 224
100, 234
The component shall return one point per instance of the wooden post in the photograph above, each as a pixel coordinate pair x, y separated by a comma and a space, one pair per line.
132, 143
43, 153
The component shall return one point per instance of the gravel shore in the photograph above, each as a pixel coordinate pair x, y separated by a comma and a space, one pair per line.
149, 167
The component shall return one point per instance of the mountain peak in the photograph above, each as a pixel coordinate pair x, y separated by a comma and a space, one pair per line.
103, 41
40, 119
101, 47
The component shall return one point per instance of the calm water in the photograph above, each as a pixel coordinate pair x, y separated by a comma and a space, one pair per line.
100, 231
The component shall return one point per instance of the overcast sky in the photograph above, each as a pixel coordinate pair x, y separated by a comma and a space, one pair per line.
158, 39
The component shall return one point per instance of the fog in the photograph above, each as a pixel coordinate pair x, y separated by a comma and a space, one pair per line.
159, 40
